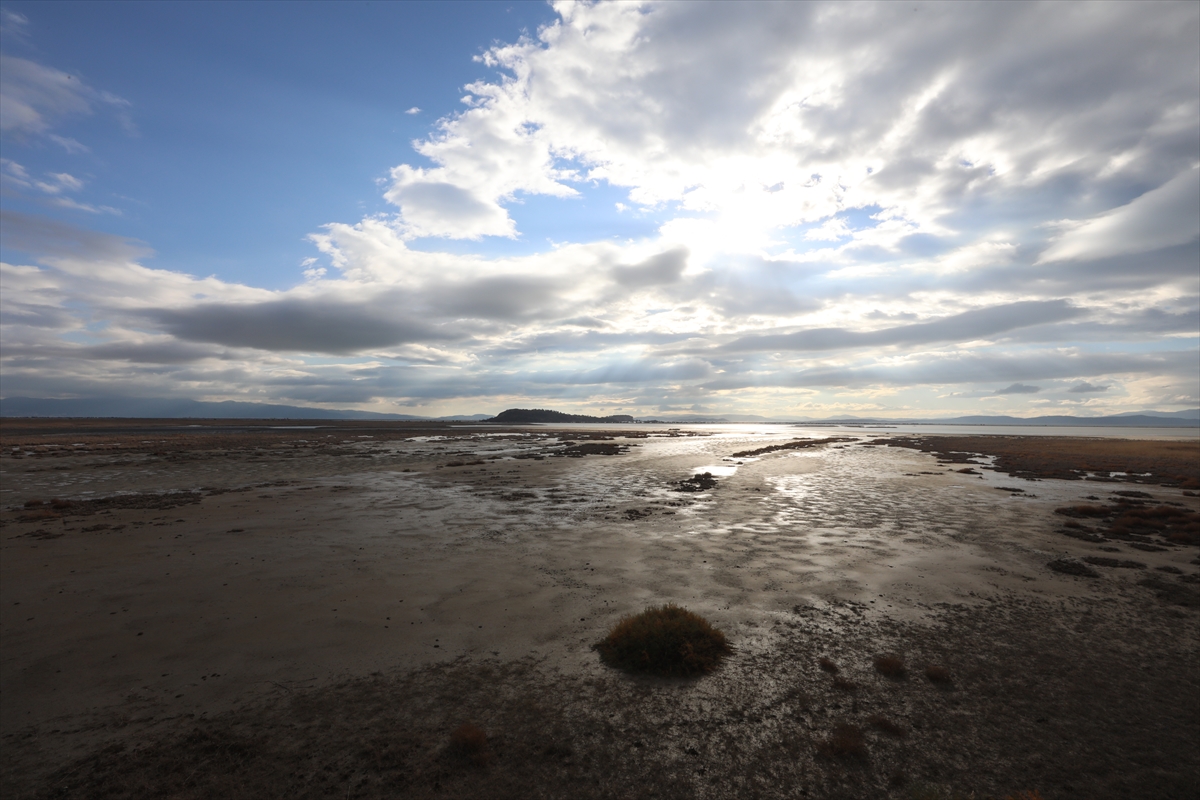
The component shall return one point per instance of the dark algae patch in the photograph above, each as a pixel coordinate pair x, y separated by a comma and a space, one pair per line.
697, 483
668, 641
1071, 566
1166, 463
1134, 520
795, 444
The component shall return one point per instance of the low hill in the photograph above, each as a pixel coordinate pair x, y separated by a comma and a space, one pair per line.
527, 416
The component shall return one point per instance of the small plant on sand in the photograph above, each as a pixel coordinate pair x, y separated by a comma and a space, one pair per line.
470, 742
664, 640
882, 723
828, 665
846, 741
845, 684
890, 666
937, 674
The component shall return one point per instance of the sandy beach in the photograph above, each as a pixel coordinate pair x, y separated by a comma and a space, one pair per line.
308, 610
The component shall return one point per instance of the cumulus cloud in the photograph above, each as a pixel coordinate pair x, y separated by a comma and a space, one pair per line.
849, 200
789, 113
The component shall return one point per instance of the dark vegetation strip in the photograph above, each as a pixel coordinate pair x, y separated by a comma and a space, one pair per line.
795, 444
1166, 463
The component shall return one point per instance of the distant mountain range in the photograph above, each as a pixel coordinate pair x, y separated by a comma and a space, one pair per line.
1159, 420
166, 408
1154, 419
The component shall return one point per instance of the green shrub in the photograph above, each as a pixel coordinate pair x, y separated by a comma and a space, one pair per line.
664, 640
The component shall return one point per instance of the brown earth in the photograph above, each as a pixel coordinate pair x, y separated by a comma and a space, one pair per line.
1162, 462
256, 612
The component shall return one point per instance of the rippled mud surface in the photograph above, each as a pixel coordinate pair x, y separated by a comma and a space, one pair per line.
267, 589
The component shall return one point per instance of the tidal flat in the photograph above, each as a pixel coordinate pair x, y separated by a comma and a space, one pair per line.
280, 609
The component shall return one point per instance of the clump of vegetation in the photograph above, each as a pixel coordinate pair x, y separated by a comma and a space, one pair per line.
1130, 517
880, 722
890, 666
1104, 561
470, 742
1070, 566
845, 741
795, 444
845, 684
827, 665
697, 483
1172, 592
664, 640
938, 674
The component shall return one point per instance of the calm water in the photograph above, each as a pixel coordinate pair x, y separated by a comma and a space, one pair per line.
789, 430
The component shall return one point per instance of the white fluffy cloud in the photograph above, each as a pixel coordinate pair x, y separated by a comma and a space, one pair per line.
786, 114
858, 206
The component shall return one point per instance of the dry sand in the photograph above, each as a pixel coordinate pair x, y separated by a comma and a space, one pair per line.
257, 610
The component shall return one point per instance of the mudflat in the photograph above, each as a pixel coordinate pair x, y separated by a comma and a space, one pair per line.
266, 608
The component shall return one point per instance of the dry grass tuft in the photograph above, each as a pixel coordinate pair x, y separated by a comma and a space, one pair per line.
938, 674
882, 723
470, 742
846, 741
1072, 566
845, 684
890, 666
827, 665
664, 640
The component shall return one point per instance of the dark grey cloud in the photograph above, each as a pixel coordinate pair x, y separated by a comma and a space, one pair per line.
43, 237
967, 326
660, 269
1129, 272
969, 368
296, 325
1086, 388
1019, 388
156, 352
1118, 326
501, 298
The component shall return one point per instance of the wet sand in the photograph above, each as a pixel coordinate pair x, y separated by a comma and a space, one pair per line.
224, 579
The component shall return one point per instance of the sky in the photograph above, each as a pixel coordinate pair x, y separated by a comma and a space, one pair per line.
783, 209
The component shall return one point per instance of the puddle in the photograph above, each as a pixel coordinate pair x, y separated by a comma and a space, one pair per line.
716, 470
